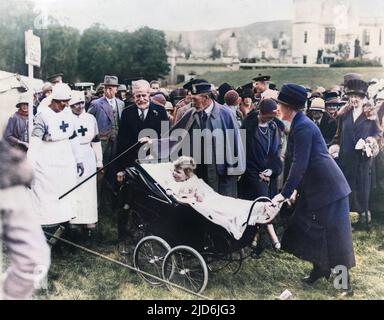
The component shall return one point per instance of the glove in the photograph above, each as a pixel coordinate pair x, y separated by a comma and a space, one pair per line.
334, 151
267, 173
80, 169
360, 145
278, 200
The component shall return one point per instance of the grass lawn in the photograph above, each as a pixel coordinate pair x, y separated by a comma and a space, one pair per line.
79, 275
325, 77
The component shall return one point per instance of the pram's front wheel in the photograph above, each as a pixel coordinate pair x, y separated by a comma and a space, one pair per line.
148, 256
185, 267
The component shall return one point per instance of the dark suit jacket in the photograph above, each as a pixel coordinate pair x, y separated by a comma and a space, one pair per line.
313, 172
328, 127
131, 125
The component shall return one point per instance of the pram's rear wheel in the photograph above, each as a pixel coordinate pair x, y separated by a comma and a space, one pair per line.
185, 267
148, 256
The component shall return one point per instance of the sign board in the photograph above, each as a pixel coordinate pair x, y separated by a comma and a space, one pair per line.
32, 49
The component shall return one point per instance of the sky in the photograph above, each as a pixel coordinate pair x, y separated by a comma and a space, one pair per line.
173, 15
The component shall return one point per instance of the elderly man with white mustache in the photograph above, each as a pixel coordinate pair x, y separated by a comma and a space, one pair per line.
142, 115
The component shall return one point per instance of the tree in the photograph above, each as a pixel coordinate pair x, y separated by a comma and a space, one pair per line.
98, 53
15, 18
149, 57
59, 51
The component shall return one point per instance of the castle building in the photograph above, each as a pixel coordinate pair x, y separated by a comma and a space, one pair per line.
327, 30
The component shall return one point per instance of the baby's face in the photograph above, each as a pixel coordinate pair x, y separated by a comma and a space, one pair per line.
179, 175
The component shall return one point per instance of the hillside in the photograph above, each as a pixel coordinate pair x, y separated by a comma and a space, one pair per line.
200, 42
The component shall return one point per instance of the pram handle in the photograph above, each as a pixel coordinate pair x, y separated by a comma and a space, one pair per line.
259, 199
100, 170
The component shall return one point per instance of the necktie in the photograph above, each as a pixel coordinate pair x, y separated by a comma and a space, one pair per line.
203, 119
142, 118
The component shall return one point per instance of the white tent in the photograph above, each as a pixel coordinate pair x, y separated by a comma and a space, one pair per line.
11, 87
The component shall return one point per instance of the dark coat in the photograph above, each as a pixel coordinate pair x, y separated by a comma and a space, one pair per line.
377, 191
320, 225
222, 177
257, 160
131, 126
328, 126
355, 166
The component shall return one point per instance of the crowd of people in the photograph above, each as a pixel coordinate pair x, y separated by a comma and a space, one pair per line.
321, 149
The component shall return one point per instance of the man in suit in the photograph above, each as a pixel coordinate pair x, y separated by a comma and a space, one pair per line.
325, 122
107, 111
214, 141
142, 115
320, 229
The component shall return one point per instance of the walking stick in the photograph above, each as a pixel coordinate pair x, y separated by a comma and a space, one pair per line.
98, 171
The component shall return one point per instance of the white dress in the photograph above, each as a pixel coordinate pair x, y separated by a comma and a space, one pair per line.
86, 208
54, 157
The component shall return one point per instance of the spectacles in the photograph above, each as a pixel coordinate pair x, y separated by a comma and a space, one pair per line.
141, 95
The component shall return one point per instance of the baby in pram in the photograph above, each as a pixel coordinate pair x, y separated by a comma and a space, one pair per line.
186, 187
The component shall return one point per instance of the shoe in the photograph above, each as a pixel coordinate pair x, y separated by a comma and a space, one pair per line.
317, 274
347, 293
277, 246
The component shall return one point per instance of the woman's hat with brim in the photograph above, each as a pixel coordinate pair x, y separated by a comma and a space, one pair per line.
357, 87
23, 99
293, 95
77, 97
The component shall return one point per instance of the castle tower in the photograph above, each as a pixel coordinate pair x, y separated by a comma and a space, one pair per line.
319, 26
233, 50
306, 30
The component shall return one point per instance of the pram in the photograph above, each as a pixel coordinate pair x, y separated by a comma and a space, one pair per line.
178, 243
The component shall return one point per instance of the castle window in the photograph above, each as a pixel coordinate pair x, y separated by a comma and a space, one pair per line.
366, 38
275, 43
305, 59
263, 55
330, 35
305, 37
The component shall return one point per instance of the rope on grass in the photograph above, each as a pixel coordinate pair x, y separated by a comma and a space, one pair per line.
126, 266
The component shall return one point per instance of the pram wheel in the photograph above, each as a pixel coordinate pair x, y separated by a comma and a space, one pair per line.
185, 267
148, 256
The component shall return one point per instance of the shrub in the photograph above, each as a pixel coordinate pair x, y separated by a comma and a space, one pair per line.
355, 63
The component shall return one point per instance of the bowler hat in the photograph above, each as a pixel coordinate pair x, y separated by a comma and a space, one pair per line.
332, 98
293, 95
111, 81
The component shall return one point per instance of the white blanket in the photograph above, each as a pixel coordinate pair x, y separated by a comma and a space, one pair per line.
230, 213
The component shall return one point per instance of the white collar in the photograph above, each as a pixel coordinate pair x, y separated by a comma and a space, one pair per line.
111, 101
208, 110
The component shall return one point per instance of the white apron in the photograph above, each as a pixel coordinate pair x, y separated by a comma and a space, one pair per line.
54, 170
86, 195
